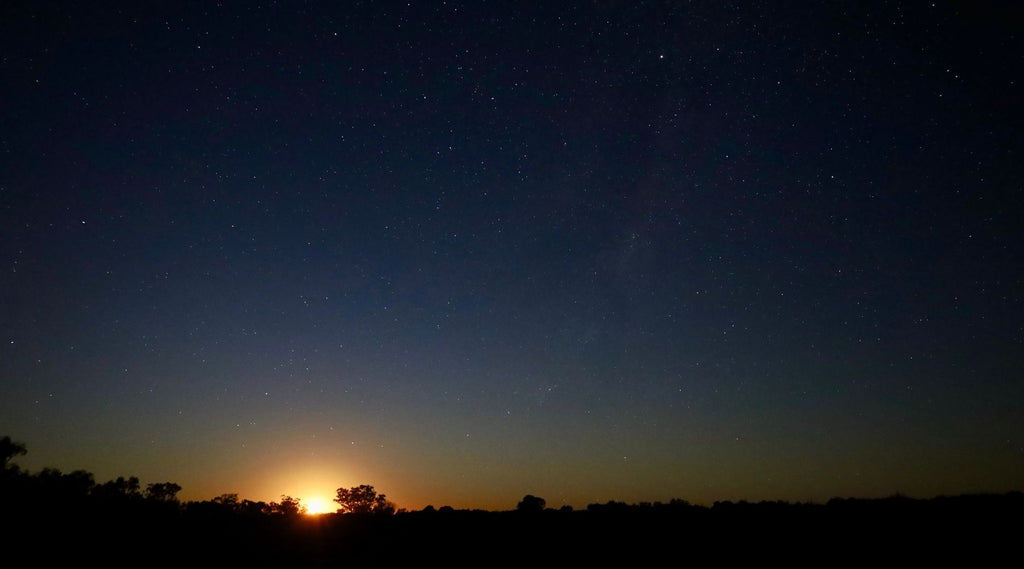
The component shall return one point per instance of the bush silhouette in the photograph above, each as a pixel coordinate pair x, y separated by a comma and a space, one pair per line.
531, 503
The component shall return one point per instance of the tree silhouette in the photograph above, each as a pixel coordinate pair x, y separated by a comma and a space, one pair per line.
288, 506
10, 449
227, 501
531, 503
163, 492
120, 490
253, 508
363, 500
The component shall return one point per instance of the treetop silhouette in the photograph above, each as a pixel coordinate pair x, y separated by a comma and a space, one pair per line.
363, 500
531, 503
10, 449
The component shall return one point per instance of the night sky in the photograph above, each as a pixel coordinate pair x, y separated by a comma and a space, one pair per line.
466, 251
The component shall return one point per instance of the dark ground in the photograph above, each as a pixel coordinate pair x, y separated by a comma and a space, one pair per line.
979, 529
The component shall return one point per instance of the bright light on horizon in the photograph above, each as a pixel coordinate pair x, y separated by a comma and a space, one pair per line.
316, 506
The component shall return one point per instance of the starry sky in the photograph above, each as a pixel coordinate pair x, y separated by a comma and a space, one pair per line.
465, 251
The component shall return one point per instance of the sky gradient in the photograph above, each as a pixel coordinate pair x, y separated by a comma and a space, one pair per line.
469, 251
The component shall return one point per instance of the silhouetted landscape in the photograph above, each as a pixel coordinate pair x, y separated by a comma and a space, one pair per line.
62, 517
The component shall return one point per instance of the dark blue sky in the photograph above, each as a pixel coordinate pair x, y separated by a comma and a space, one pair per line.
468, 251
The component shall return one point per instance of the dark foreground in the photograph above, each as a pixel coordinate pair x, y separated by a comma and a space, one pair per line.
980, 529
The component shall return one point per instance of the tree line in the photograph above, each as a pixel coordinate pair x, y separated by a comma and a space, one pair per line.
67, 517
51, 488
